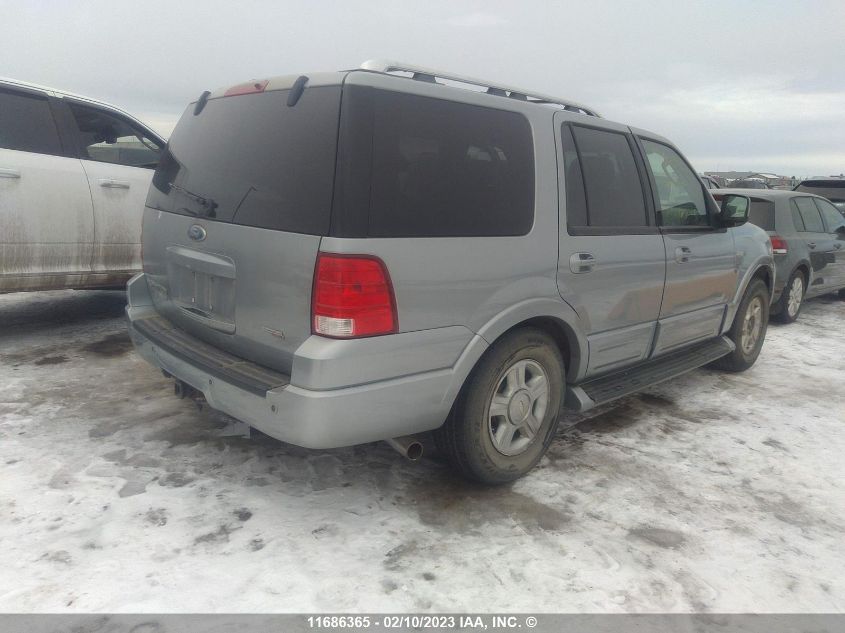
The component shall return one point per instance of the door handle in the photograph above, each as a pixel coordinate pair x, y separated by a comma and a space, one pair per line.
114, 184
811, 244
837, 245
581, 262
682, 254
9, 173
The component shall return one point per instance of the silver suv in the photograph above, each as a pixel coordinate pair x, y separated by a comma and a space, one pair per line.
348, 257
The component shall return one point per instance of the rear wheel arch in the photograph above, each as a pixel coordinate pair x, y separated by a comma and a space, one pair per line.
563, 334
804, 267
570, 345
556, 318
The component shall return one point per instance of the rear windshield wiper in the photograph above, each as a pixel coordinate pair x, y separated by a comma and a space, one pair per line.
206, 203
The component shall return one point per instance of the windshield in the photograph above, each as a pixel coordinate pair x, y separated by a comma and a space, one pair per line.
253, 160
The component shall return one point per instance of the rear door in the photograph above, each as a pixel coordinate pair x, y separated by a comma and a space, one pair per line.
46, 218
235, 215
834, 224
820, 244
611, 264
118, 157
701, 261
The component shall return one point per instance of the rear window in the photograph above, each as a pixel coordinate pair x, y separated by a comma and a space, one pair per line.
253, 160
435, 168
762, 213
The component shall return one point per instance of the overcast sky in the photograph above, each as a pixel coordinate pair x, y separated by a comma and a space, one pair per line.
737, 85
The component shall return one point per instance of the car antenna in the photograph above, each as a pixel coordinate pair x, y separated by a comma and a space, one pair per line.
201, 102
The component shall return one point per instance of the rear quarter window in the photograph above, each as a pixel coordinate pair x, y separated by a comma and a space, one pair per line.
762, 213
436, 168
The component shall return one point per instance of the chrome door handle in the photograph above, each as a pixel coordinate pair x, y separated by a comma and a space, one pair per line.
9, 173
114, 184
811, 244
682, 254
581, 263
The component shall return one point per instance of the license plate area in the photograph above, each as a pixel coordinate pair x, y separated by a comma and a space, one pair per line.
202, 286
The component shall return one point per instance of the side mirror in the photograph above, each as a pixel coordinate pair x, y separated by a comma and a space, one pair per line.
734, 210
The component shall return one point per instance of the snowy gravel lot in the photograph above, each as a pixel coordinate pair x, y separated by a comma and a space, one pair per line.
714, 492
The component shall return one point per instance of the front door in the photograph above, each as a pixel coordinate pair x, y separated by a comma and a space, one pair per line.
119, 158
611, 263
701, 261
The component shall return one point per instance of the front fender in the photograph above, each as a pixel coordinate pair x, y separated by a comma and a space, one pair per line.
761, 263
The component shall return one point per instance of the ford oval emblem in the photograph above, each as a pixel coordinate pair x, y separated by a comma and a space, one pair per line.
197, 233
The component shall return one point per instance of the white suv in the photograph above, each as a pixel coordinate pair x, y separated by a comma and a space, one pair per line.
74, 174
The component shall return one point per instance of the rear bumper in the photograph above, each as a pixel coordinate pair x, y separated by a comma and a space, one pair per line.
313, 418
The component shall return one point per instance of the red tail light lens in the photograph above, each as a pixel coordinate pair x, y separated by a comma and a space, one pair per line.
779, 246
352, 297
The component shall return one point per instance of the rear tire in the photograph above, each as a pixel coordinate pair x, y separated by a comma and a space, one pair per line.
508, 410
748, 330
789, 305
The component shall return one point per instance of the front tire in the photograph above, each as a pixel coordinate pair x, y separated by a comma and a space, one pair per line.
790, 302
508, 410
748, 330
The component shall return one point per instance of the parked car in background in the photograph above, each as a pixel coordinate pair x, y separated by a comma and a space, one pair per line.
749, 183
348, 257
710, 183
831, 188
74, 174
808, 240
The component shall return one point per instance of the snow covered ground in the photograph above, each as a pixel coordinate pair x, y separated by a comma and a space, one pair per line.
713, 492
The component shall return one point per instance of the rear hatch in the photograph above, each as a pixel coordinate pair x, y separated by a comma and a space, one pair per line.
235, 215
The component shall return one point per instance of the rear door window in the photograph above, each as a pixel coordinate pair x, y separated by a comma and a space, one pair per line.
437, 168
810, 216
253, 160
611, 185
27, 125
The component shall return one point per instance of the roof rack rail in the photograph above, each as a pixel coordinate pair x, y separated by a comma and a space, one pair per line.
430, 75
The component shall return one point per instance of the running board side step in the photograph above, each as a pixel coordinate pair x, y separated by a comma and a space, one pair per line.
623, 383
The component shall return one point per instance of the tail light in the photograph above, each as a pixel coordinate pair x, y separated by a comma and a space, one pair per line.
352, 297
779, 246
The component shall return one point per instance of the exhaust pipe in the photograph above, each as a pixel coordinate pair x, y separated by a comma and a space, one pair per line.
408, 447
